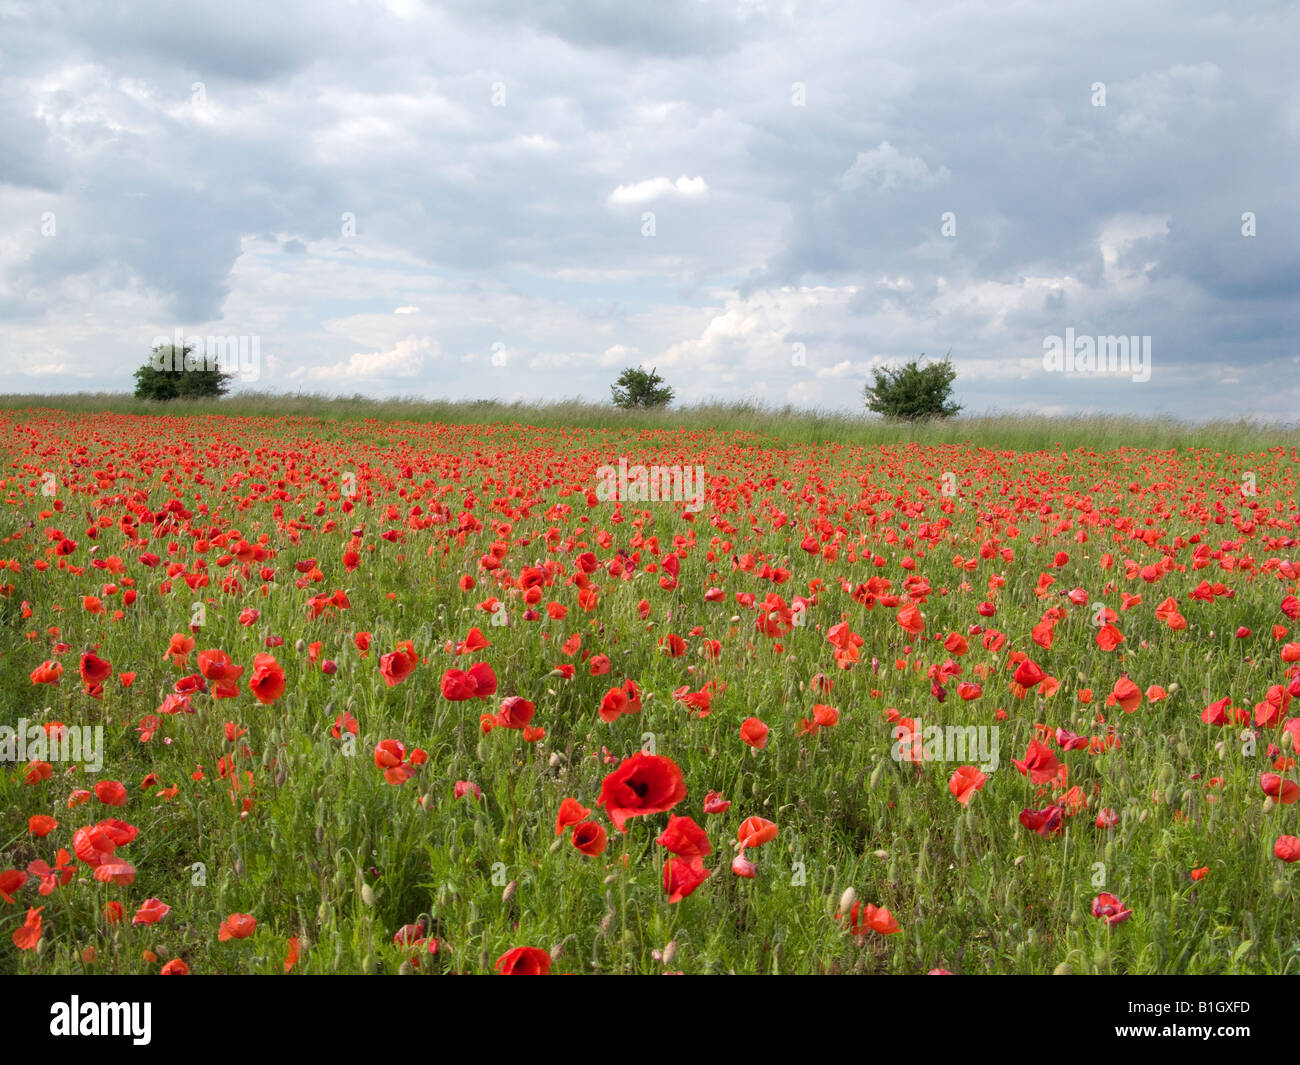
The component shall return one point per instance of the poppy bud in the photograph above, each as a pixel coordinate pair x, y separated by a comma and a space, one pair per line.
670, 952
509, 892
848, 899
367, 895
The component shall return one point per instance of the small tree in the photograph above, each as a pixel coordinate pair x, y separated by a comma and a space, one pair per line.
168, 376
636, 388
913, 391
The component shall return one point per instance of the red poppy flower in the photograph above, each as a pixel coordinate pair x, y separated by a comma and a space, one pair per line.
41, 825
590, 838
28, 934
151, 912
1028, 674
862, 919
1287, 848
682, 876
478, 682
267, 682
47, 673
1110, 909
684, 838
619, 701
12, 879
714, 803
755, 831
965, 782
237, 926
1277, 787
524, 961
754, 733
397, 665
643, 784
217, 666
1046, 823
1040, 764
571, 812
515, 713
94, 670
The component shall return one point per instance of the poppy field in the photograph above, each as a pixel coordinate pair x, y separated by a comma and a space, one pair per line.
300, 695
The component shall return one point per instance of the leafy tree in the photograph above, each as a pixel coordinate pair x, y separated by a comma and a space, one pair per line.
636, 388
165, 376
913, 391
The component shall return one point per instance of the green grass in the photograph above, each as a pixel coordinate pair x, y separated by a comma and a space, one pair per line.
330, 853
1011, 431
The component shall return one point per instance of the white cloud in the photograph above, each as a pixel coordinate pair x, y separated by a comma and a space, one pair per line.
657, 188
405, 360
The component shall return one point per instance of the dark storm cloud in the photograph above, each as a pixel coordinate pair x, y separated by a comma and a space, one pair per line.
307, 171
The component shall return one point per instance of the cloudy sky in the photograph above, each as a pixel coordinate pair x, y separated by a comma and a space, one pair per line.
761, 198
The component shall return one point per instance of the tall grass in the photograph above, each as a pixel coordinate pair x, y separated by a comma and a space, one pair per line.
1009, 431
